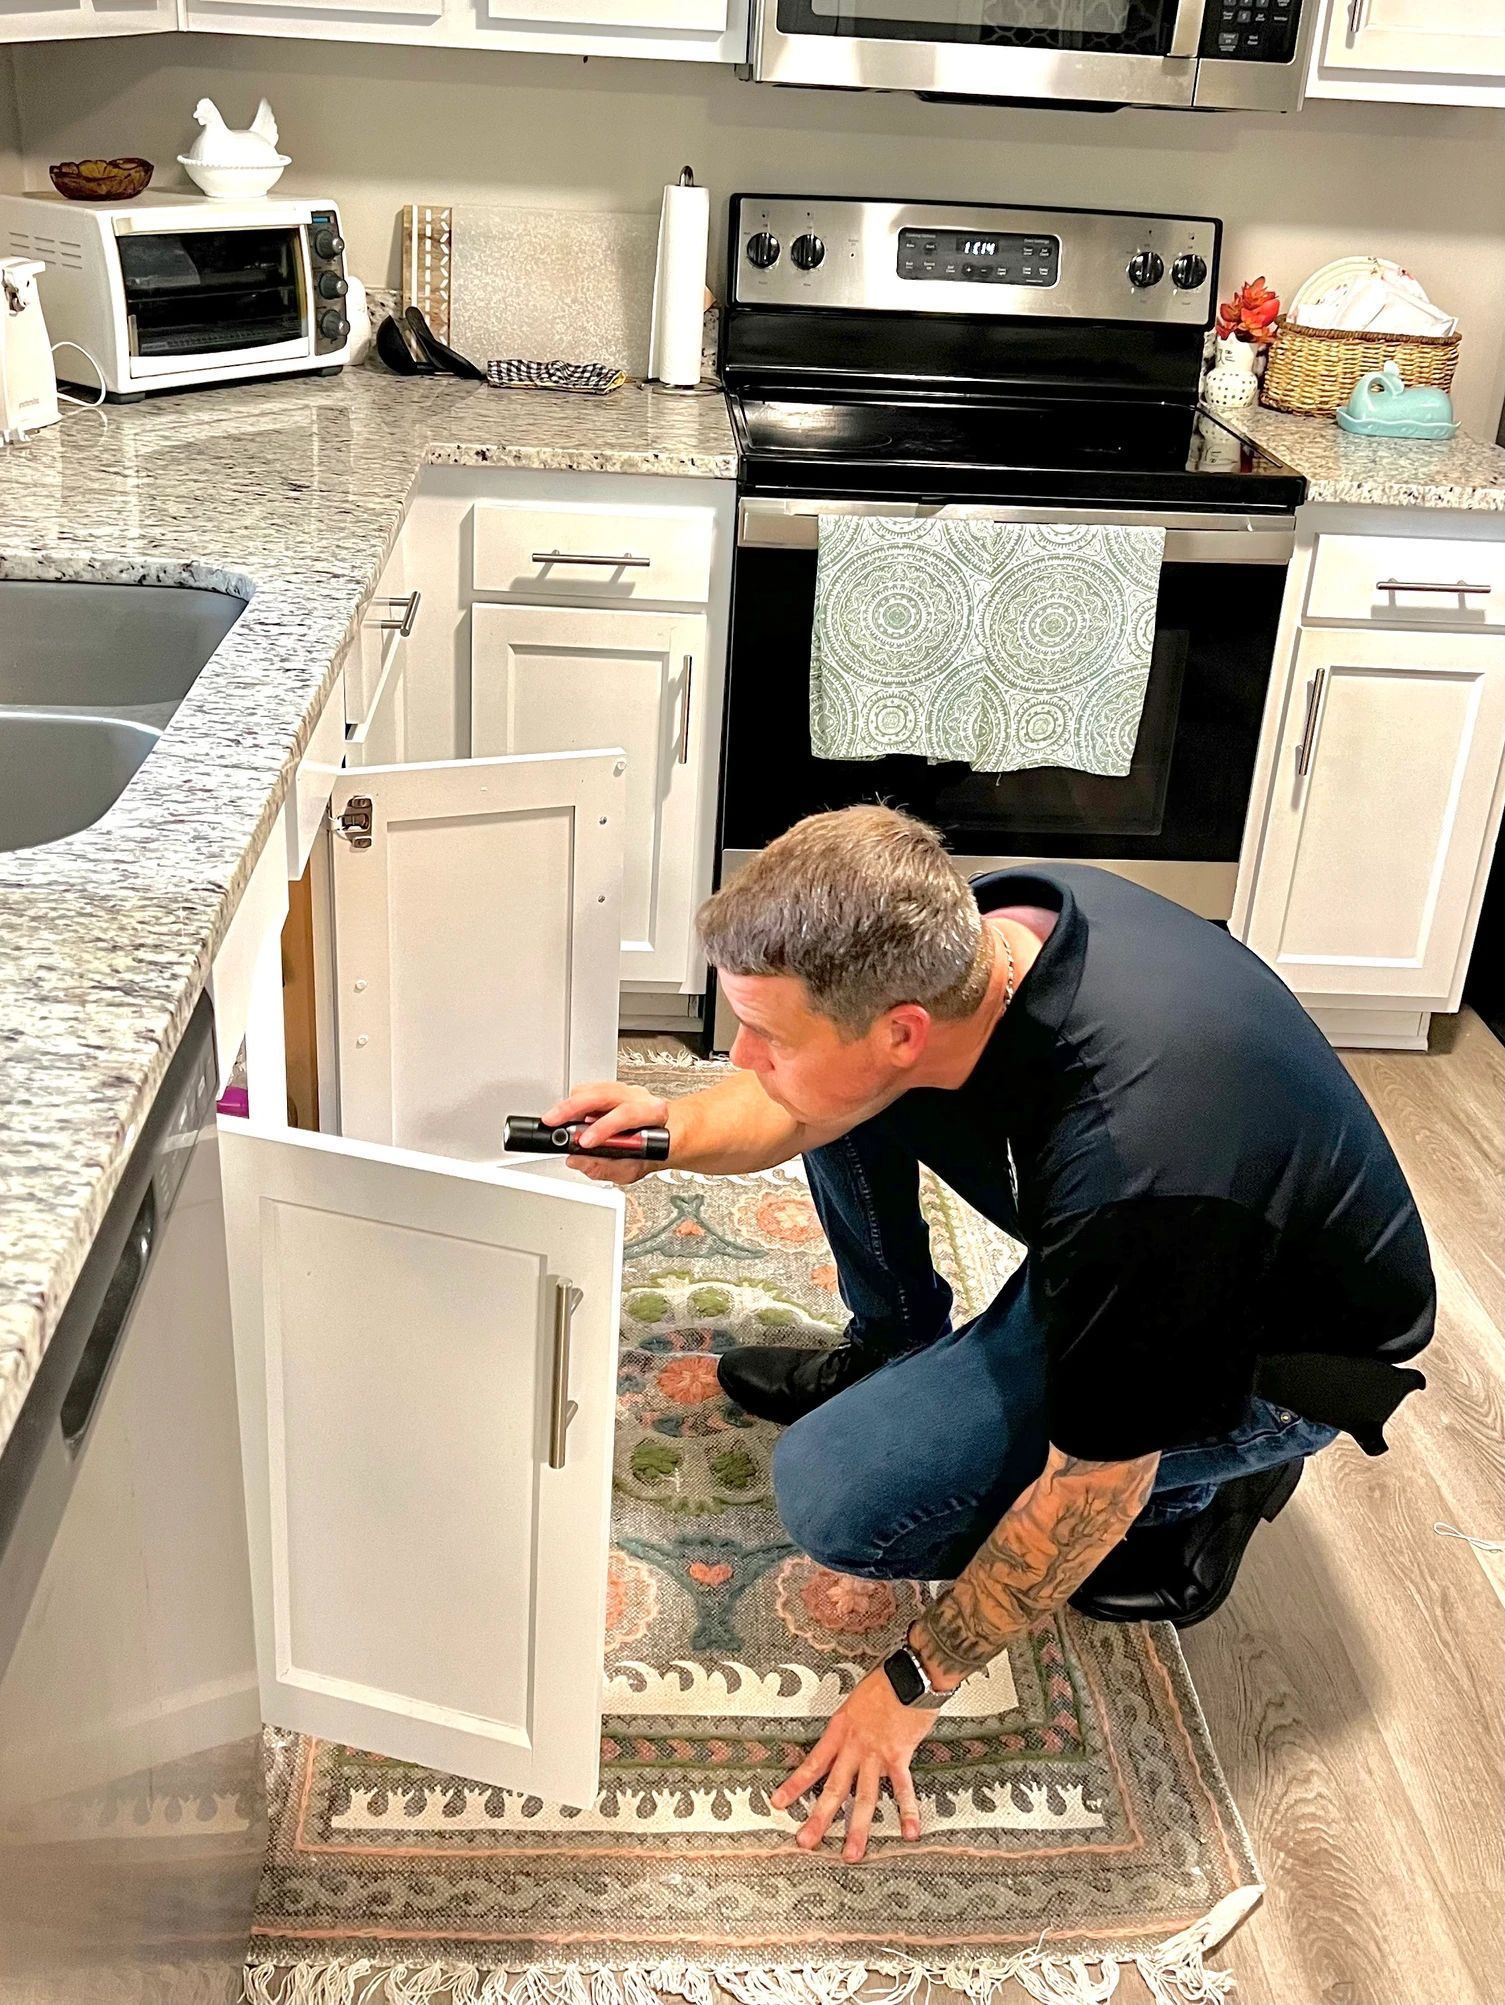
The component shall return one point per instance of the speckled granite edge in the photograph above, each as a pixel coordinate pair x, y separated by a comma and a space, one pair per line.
291, 497
1340, 468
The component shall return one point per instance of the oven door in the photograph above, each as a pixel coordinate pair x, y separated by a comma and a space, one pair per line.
1174, 822
214, 298
1088, 51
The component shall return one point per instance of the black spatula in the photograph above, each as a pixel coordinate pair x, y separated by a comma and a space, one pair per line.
439, 353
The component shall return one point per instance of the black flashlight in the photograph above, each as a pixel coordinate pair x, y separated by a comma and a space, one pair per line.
525, 1134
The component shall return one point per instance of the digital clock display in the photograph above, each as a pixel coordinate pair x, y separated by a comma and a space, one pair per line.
1010, 258
977, 247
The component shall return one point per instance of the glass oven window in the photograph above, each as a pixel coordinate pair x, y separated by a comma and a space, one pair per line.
1096, 27
192, 292
1184, 797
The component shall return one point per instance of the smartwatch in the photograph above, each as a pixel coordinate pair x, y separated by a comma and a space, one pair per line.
911, 1681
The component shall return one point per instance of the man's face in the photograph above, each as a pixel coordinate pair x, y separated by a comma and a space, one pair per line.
800, 1057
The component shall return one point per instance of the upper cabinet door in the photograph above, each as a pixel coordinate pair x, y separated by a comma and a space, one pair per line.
477, 928
1452, 50
72, 19
426, 1364
559, 678
1384, 794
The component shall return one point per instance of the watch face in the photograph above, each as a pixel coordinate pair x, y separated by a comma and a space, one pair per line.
904, 1675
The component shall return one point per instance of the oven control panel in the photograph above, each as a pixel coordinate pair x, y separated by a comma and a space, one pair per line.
326, 259
991, 257
1250, 31
961, 258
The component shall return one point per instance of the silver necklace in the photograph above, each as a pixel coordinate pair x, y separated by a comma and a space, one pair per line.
1008, 987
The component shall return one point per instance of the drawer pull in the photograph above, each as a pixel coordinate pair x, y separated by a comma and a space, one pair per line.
403, 624
562, 1409
1355, 16
684, 728
1308, 743
626, 562
1458, 591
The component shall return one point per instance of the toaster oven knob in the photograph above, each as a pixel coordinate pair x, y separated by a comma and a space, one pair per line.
807, 252
332, 286
334, 326
328, 243
1146, 268
1188, 272
762, 250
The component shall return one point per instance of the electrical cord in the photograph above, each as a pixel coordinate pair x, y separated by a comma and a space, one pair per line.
84, 403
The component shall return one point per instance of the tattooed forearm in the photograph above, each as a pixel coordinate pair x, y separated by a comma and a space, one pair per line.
1040, 1552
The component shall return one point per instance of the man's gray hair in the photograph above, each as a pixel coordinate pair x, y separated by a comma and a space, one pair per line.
865, 907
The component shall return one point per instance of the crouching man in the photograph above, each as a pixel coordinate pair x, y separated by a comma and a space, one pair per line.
1224, 1263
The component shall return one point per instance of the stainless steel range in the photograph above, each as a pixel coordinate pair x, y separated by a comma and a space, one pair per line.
1022, 365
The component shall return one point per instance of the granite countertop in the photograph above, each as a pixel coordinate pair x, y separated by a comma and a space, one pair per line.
290, 493
1376, 473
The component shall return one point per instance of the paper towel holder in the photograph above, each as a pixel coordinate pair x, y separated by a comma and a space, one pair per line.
702, 387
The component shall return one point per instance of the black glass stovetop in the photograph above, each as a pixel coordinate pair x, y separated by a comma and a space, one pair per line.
1076, 447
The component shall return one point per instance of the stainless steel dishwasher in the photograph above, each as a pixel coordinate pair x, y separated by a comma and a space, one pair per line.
132, 1809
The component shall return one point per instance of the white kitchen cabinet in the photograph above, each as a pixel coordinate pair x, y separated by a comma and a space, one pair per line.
709, 31
1383, 800
1411, 51
426, 1342
546, 677
426, 1363
73, 20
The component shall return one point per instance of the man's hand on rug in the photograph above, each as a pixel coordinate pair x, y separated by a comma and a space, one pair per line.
870, 1737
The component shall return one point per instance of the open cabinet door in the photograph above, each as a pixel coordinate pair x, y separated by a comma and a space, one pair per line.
426, 1372
477, 909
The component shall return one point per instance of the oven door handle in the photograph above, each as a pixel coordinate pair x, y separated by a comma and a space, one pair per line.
764, 523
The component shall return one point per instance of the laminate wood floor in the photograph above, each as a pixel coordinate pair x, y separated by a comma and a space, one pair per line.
1353, 1683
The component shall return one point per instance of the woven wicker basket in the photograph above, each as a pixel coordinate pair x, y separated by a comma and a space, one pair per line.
1314, 369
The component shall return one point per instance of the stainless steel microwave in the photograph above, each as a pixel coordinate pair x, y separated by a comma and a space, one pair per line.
1227, 55
169, 291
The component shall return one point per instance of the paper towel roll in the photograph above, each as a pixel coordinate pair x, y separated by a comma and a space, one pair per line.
679, 284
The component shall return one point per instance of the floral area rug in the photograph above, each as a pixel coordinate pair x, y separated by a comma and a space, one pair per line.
1075, 1819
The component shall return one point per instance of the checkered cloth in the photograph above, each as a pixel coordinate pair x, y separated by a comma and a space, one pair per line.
585, 379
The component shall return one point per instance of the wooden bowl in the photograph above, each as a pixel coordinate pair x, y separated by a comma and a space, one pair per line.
101, 180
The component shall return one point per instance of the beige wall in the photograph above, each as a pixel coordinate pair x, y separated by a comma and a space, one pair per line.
11, 170
376, 127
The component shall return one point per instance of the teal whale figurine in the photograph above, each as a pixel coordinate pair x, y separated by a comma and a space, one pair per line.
1381, 407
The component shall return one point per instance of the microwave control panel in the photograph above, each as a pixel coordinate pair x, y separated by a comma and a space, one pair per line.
1250, 31
326, 263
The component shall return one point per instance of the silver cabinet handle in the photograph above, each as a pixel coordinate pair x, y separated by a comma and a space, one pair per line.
562, 1409
403, 624
1309, 729
684, 728
1355, 16
1460, 590
1186, 29
626, 562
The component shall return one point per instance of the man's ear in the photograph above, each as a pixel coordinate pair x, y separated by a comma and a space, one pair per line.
908, 1026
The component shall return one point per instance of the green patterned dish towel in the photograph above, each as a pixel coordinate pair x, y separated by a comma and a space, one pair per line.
1003, 644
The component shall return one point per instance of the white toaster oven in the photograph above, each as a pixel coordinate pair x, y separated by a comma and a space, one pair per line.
168, 291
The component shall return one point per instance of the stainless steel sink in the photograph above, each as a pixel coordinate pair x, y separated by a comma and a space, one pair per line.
129, 651
60, 773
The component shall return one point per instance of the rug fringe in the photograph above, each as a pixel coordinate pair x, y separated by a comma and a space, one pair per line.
1175, 1973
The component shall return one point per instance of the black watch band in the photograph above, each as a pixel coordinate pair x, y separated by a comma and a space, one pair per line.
911, 1686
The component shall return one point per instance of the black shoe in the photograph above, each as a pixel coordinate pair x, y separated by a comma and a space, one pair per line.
1184, 1572
779, 1383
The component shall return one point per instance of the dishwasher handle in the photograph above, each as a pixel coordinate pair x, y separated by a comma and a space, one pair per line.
82, 1396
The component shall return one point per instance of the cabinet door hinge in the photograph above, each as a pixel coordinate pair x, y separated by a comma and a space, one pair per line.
354, 822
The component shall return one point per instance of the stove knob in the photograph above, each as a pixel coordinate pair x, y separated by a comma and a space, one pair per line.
332, 286
763, 250
328, 243
1188, 272
333, 326
807, 252
1146, 268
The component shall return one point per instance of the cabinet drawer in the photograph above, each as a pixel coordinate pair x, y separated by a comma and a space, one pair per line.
1408, 580
541, 551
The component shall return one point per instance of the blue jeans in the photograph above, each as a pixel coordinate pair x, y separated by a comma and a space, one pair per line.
904, 1474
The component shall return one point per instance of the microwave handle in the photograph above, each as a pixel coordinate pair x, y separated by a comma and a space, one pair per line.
1186, 29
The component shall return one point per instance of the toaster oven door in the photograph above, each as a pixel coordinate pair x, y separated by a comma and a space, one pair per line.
214, 298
